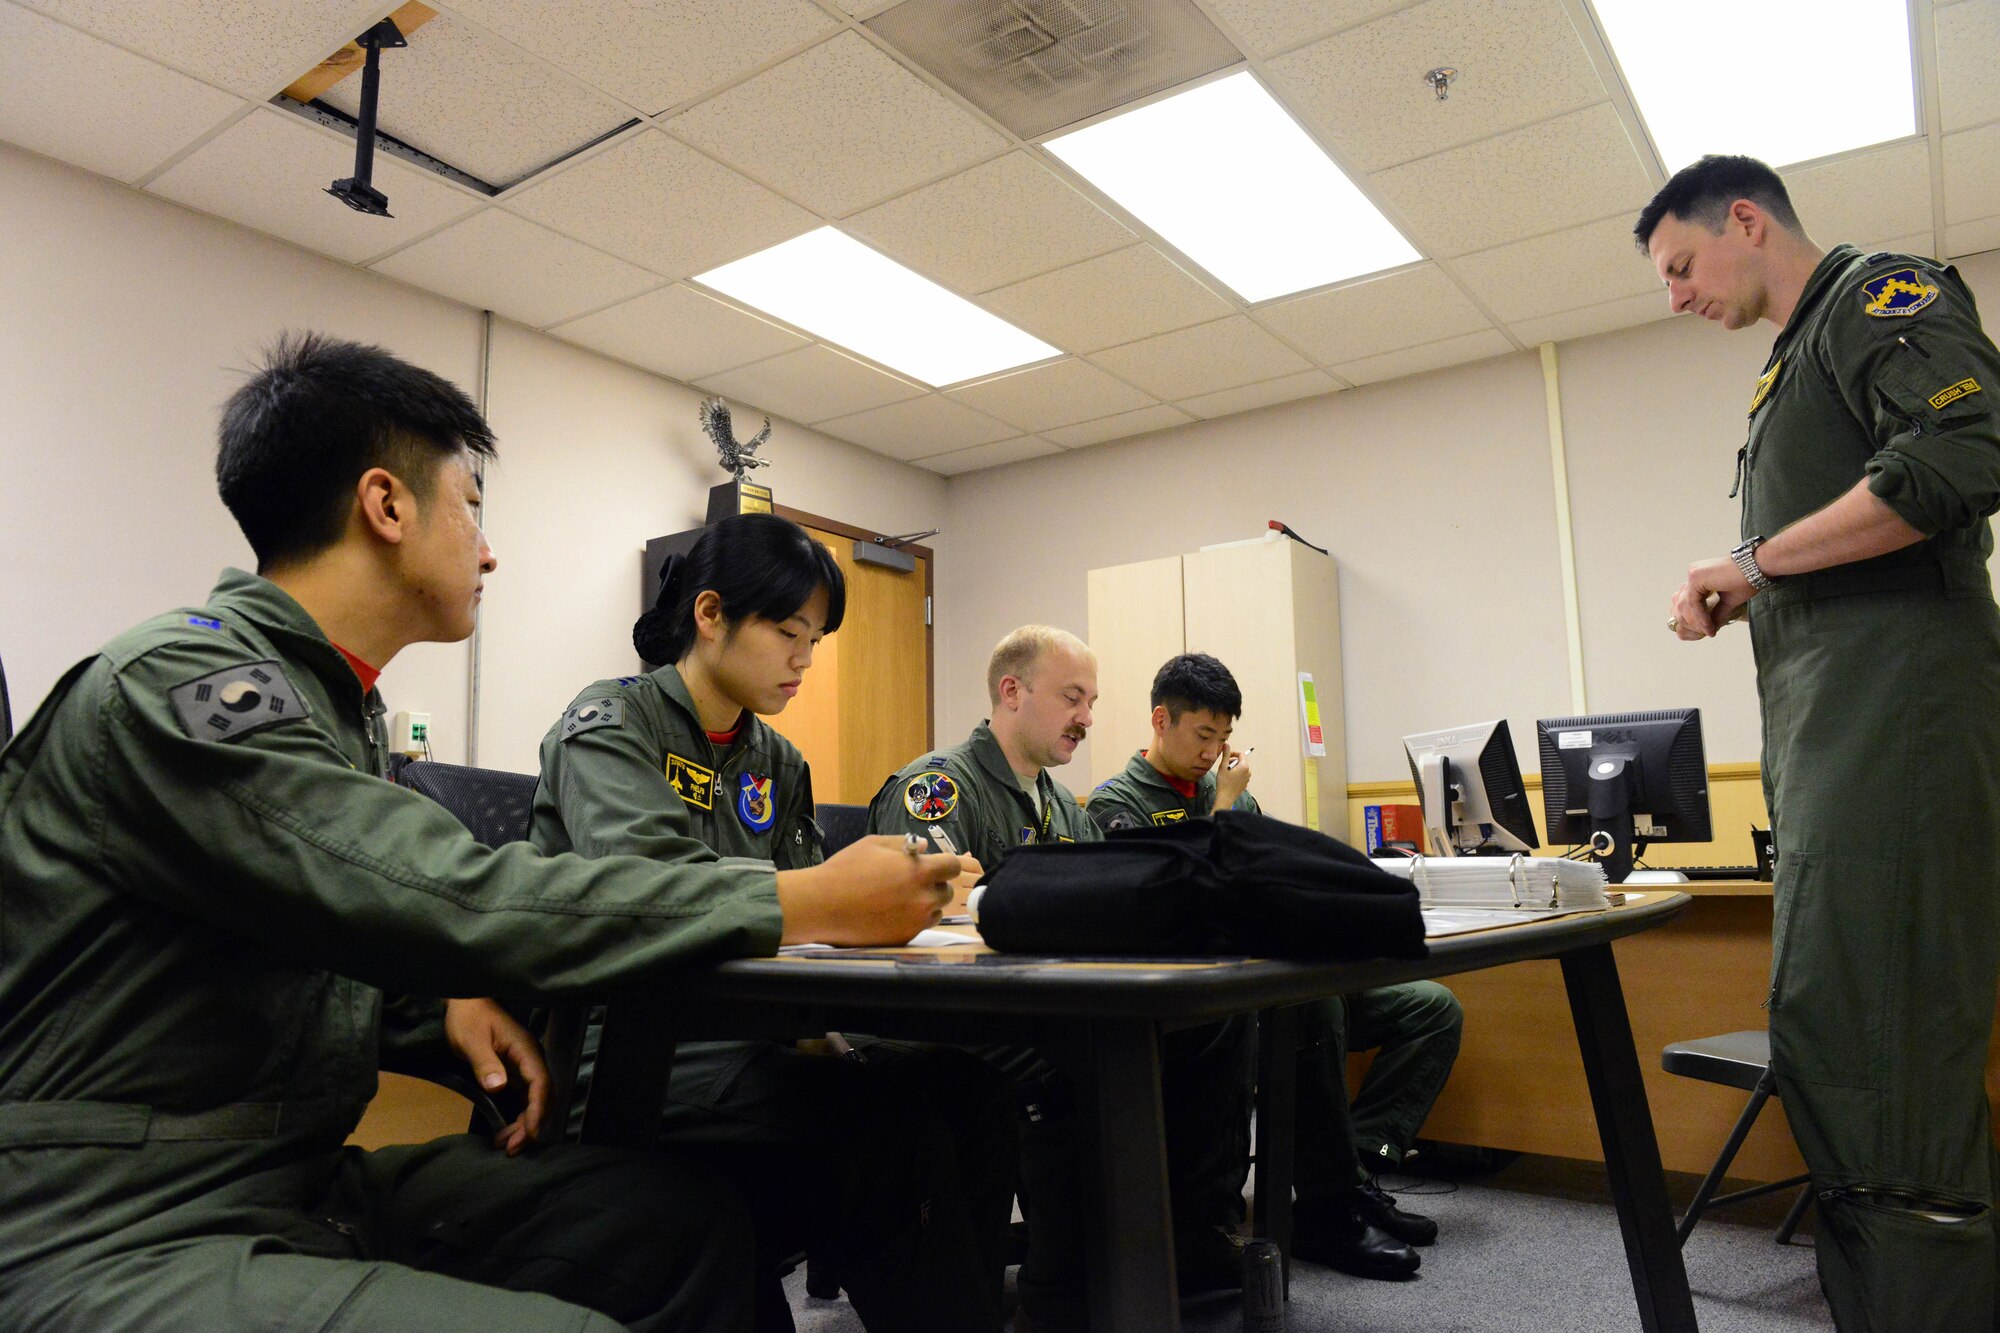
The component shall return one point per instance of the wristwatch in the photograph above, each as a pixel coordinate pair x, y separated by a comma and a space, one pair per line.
1745, 557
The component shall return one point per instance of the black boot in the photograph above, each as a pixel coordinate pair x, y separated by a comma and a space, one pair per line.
1331, 1232
1380, 1209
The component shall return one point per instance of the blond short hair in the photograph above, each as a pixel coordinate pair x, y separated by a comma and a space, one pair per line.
1017, 654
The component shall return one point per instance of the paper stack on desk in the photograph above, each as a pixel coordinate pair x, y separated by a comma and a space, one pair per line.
1528, 883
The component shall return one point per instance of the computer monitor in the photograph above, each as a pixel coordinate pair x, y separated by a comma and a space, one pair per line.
1619, 781
1470, 785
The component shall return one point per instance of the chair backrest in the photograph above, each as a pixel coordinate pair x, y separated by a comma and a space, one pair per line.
841, 824
495, 805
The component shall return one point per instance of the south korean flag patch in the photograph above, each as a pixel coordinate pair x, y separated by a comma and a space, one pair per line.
591, 714
236, 701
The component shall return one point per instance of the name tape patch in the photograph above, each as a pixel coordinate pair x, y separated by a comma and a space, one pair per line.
693, 783
1165, 817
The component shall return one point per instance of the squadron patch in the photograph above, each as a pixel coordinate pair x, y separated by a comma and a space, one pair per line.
237, 701
931, 795
753, 802
1944, 398
1162, 818
691, 782
592, 714
1903, 292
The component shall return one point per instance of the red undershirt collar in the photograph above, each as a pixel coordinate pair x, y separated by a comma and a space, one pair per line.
725, 737
368, 674
1186, 789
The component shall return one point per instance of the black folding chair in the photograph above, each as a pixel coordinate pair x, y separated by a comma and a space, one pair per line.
1736, 1060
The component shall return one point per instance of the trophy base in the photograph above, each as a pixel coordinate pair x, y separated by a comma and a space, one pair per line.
737, 497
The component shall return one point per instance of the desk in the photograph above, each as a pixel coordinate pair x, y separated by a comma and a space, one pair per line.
1103, 1021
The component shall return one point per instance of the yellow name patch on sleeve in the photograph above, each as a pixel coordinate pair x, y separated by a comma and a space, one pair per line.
1944, 398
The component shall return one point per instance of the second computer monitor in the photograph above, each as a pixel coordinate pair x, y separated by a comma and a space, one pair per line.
1470, 785
1612, 780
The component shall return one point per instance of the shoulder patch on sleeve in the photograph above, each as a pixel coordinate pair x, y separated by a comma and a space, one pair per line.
1901, 293
236, 701
1121, 819
592, 714
931, 794
1945, 397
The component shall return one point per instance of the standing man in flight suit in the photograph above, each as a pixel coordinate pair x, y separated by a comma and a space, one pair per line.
1344, 1219
1872, 465
206, 886
984, 798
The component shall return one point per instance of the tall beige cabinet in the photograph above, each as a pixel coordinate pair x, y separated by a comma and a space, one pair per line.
1270, 609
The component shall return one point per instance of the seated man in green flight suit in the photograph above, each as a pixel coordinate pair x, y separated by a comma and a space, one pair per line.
994, 793
206, 887
1343, 1218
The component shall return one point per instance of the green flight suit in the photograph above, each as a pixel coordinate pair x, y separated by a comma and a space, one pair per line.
1880, 688
205, 887
971, 793
829, 1151
1415, 1027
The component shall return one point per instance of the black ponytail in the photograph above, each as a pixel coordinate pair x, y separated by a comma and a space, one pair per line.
759, 564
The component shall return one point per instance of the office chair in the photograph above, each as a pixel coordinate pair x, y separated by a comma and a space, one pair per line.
1736, 1060
840, 824
495, 807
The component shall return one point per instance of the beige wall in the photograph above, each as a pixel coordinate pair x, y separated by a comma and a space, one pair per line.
1436, 495
124, 323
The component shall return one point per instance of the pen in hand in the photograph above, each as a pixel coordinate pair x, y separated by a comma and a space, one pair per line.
1238, 758
913, 844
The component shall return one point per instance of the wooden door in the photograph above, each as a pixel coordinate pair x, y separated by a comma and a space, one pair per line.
865, 708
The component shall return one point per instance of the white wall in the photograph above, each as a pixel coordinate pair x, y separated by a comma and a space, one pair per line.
596, 457
125, 321
1436, 494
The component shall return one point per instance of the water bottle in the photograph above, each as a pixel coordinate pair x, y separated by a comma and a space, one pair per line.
1263, 1287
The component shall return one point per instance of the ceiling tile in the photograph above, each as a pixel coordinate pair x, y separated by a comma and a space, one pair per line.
1146, 419
1972, 174
811, 384
1058, 394
1000, 222
918, 428
681, 333
1311, 384
1971, 238
70, 96
988, 455
1115, 298
269, 171
1866, 198
480, 104
1271, 26
657, 202
496, 261
1203, 359
1519, 184
1624, 313
1968, 81
1419, 305
1519, 61
649, 55
838, 128
1563, 270
251, 47
1431, 356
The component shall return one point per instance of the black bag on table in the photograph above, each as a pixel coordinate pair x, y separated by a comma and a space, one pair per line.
1238, 884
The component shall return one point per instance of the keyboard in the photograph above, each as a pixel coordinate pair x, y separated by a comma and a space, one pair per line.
1716, 872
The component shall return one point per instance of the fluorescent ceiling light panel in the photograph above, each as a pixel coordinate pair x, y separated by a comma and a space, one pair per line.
836, 288
1227, 177
1781, 80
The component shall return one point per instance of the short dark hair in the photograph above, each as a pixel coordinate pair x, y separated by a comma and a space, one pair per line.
1701, 194
1196, 681
758, 564
316, 415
